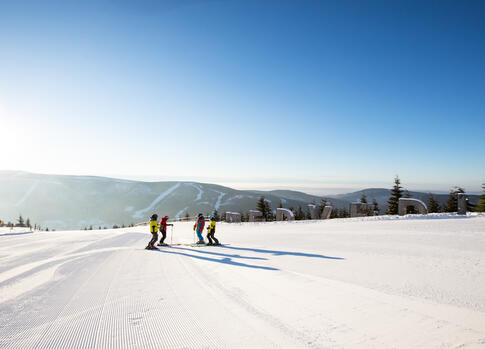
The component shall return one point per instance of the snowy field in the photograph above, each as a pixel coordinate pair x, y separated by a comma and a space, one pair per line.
379, 282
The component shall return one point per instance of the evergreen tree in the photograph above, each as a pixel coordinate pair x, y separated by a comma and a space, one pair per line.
90, 227
396, 194
20, 222
280, 205
407, 194
27, 223
299, 215
344, 213
187, 215
308, 215
363, 199
216, 216
375, 206
481, 203
452, 203
264, 207
433, 205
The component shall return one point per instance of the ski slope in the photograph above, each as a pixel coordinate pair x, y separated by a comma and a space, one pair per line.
377, 282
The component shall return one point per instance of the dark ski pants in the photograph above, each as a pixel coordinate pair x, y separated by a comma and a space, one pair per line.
211, 236
164, 235
153, 240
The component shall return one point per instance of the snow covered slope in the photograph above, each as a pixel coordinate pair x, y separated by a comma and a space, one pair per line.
74, 202
377, 282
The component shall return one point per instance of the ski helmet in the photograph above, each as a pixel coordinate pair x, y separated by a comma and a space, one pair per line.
154, 217
212, 218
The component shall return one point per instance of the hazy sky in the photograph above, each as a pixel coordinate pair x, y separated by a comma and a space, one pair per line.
319, 96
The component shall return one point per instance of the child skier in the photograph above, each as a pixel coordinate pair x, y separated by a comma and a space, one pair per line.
211, 230
199, 228
154, 230
163, 230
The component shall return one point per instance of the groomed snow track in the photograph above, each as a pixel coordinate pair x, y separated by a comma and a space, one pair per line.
329, 284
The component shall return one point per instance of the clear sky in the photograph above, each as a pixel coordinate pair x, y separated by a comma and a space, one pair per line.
321, 96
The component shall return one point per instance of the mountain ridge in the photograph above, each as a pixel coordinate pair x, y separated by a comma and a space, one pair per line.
75, 202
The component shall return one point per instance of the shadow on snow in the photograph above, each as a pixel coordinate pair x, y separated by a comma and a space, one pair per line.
281, 253
217, 253
223, 260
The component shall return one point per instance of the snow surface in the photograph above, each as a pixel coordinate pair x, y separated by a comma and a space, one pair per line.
376, 282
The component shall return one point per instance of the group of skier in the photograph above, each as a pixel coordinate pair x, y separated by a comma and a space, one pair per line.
155, 227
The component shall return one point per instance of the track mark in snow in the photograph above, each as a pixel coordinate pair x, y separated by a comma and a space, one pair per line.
199, 195
27, 194
181, 211
139, 214
219, 199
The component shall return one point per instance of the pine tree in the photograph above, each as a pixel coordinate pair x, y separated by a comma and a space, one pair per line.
264, 207
308, 215
299, 215
375, 206
280, 205
187, 215
20, 222
407, 194
452, 203
216, 216
396, 194
363, 199
481, 203
433, 205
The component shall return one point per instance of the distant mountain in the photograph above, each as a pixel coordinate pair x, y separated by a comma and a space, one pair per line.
74, 202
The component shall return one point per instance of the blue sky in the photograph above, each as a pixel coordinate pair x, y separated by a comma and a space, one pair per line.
320, 96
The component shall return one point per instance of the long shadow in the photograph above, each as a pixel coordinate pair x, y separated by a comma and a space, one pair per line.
223, 260
7, 234
280, 253
218, 254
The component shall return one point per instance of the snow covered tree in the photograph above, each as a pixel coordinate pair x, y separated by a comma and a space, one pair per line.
396, 194
433, 205
363, 199
27, 223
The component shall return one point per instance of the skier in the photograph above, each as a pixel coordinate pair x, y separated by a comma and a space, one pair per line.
163, 230
211, 230
154, 230
199, 228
